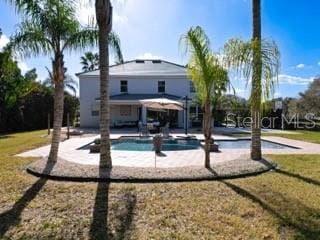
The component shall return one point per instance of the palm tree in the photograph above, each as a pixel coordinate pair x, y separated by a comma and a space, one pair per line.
69, 82
208, 76
104, 20
90, 61
51, 28
258, 60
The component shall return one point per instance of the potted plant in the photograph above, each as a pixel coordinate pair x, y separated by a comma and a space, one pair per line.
157, 143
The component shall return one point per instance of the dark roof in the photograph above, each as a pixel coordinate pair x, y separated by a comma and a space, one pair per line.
142, 67
127, 96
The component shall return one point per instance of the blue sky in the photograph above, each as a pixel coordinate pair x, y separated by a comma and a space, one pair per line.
152, 28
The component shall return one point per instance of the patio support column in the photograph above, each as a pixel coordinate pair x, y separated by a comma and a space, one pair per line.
144, 114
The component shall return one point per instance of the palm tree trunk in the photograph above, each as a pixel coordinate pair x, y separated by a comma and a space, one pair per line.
103, 13
256, 83
58, 76
207, 132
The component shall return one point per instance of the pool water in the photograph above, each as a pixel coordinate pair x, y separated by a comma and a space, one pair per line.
146, 144
246, 143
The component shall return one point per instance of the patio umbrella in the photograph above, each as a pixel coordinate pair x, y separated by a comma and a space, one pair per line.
162, 103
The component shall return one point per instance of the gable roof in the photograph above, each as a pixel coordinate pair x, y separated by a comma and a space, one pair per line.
142, 67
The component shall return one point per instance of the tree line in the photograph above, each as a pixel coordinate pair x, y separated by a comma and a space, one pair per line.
25, 102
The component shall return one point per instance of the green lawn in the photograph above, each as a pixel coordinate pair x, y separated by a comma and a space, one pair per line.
275, 205
303, 135
308, 136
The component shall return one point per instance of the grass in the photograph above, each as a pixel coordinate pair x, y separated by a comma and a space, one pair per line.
277, 205
303, 135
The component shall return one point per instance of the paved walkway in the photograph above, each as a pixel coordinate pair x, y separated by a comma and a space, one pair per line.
69, 151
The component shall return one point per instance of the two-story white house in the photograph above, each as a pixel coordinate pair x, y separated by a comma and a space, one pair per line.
133, 81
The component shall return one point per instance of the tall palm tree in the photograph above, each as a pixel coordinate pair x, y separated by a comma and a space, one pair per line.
208, 76
104, 20
90, 61
258, 60
256, 82
69, 82
50, 28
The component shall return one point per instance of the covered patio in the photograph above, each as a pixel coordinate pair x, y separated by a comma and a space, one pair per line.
127, 110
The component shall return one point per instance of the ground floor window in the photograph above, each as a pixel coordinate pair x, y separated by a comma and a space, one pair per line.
125, 110
95, 109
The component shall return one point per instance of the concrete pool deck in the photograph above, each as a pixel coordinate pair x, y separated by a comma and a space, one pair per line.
69, 152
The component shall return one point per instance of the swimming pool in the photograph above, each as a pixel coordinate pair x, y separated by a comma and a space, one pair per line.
180, 144
246, 143
143, 144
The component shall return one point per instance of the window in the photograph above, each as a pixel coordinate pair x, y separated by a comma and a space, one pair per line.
94, 113
95, 107
125, 110
124, 86
192, 88
161, 86
139, 61
156, 61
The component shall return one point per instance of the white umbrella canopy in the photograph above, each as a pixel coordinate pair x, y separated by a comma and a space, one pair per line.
162, 103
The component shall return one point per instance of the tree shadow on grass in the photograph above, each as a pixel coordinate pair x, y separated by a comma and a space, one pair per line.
290, 174
99, 228
291, 212
298, 176
11, 217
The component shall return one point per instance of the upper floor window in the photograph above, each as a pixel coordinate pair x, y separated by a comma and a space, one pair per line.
161, 86
124, 86
192, 88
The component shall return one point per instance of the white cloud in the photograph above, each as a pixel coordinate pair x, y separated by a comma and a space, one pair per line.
301, 65
148, 55
277, 94
86, 12
3, 41
119, 19
23, 67
294, 80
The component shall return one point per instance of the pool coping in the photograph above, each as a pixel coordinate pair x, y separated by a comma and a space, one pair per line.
201, 142
64, 170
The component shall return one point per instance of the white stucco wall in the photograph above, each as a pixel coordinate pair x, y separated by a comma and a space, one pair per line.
115, 114
89, 91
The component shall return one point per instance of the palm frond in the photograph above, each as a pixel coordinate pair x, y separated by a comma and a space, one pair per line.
239, 56
80, 40
115, 45
30, 40
204, 68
